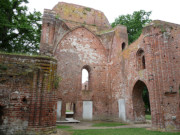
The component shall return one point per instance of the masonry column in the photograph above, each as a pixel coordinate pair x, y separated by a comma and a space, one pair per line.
47, 34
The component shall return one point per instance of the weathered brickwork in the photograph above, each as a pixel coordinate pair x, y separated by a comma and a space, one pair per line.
27, 95
160, 44
81, 38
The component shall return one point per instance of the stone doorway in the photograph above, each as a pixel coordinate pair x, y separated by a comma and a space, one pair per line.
141, 103
70, 110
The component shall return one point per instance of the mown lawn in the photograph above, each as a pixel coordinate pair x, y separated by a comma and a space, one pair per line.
120, 131
108, 124
63, 127
148, 117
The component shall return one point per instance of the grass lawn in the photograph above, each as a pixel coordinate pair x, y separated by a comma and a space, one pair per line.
108, 124
120, 131
63, 127
148, 117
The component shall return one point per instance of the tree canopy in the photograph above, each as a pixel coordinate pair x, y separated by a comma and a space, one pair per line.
134, 23
145, 96
19, 29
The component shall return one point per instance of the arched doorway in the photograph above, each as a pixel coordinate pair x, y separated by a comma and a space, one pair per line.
141, 103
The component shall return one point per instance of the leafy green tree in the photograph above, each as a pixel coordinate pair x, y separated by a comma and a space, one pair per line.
145, 96
134, 23
19, 29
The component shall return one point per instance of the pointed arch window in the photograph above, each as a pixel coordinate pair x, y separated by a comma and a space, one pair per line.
85, 78
141, 64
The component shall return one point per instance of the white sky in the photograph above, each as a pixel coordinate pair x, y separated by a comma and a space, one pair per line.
166, 10
84, 75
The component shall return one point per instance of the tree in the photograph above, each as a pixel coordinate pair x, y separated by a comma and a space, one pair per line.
19, 29
145, 97
134, 23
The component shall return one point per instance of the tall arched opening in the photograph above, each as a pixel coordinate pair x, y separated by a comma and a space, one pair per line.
85, 78
141, 102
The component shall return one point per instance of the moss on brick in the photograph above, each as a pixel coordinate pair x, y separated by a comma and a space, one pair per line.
3, 67
87, 9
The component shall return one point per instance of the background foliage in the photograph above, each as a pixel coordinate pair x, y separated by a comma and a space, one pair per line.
19, 29
134, 23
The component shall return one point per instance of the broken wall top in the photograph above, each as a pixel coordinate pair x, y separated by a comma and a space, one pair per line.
75, 15
155, 29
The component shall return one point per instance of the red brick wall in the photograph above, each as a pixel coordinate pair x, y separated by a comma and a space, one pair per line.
76, 14
76, 50
114, 72
160, 43
27, 94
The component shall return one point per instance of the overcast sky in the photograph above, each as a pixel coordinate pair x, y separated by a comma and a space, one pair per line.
166, 10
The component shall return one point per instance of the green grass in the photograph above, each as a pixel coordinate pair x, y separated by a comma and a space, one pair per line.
108, 124
63, 127
68, 111
120, 131
148, 117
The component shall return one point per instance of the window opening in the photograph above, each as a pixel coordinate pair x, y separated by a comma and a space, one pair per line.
123, 46
85, 79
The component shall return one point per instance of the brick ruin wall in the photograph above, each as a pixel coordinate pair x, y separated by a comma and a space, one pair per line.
160, 44
27, 96
81, 38
118, 72
75, 48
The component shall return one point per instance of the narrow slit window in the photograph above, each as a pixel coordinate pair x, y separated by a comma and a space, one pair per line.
143, 62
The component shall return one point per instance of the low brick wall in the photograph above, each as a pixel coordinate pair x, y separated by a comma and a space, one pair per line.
27, 94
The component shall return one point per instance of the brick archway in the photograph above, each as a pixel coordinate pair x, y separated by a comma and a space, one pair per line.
138, 103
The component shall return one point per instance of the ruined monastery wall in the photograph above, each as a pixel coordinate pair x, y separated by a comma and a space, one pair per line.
27, 96
37, 91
